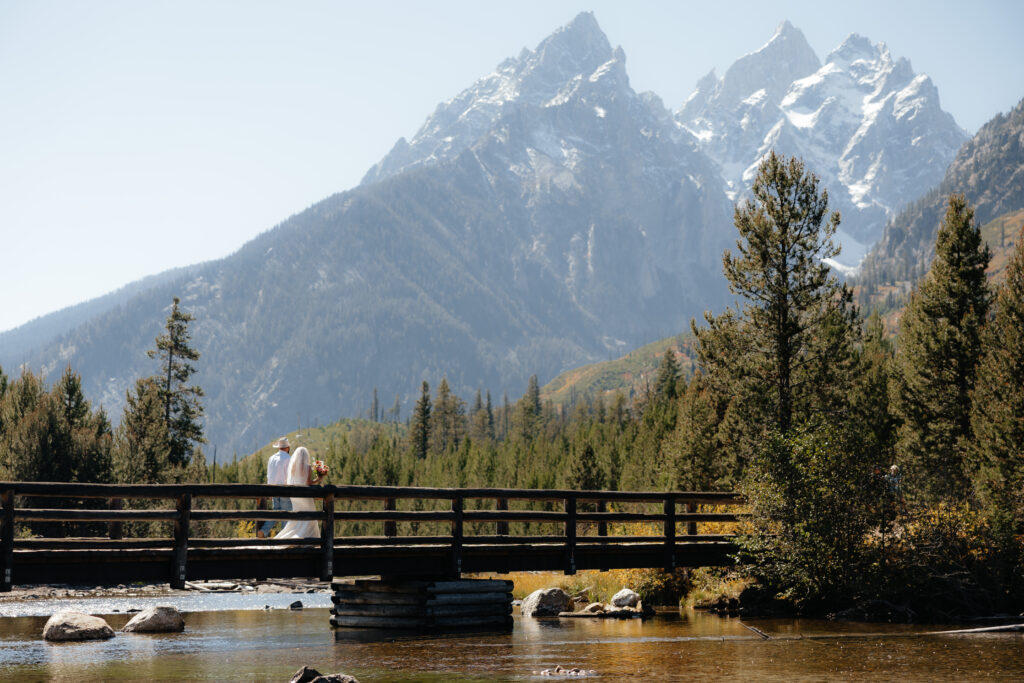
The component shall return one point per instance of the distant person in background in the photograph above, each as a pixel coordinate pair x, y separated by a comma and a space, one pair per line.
277, 475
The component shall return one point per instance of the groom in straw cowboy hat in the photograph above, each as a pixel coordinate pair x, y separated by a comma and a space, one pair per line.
277, 474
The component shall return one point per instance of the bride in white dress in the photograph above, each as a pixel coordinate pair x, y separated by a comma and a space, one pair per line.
301, 474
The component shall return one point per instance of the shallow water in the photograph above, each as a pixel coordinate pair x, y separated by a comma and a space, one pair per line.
270, 645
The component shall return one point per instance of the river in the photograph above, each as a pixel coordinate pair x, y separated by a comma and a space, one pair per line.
234, 638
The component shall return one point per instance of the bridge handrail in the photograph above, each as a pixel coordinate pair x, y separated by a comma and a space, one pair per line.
183, 514
81, 490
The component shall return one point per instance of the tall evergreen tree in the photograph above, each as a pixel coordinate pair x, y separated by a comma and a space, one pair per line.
375, 407
448, 419
528, 410
182, 409
665, 386
419, 429
692, 456
396, 410
937, 352
143, 451
786, 353
997, 418
870, 395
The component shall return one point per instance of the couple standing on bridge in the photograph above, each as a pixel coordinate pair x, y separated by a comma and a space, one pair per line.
292, 470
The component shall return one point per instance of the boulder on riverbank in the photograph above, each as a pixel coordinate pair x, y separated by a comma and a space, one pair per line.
158, 619
309, 675
67, 626
546, 602
625, 598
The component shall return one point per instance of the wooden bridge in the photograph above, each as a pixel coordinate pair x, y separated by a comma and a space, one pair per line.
484, 530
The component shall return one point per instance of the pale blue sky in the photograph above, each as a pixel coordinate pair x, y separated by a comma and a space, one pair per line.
140, 136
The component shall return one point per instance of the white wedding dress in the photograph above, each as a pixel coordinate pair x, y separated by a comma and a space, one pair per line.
300, 528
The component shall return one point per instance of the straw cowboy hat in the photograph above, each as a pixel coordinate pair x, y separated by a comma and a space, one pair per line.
282, 443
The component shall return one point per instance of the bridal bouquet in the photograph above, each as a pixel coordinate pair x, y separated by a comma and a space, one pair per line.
320, 468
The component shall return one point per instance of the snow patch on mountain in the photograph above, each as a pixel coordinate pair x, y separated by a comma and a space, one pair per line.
870, 128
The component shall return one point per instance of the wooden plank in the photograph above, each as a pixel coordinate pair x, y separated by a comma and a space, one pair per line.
91, 543
470, 586
327, 540
457, 536
115, 530
502, 505
378, 610
390, 527
468, 598
670, 535
283, 515
691, 526
370, 585
179, 570
62, 515
570, 535
173, 491
7, 541
376, 598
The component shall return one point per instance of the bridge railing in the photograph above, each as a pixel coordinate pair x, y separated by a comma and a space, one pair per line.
636, 517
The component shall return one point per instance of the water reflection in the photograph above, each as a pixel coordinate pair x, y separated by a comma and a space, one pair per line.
271, 645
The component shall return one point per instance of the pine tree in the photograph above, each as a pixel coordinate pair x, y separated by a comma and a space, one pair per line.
419, 429
448, 419
692, 458
396, 410
143, 451
937, 352
528, 410
182, 409
869, 398
786, 354
375, 407
585, 473
665, 386
997, 418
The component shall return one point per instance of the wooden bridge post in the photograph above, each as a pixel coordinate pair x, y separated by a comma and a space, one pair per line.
457, 536
115, 529
570, 535
7, 541
602, 526
691, 527
670, 534
390, 526
327, 539
181, 528
503, 526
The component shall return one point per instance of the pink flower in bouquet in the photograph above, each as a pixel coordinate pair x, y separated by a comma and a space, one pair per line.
320, 468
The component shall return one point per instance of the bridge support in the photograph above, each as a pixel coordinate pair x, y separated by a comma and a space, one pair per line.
7, 541
422, 605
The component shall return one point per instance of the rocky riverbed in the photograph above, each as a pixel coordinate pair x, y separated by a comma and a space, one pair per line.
52, 592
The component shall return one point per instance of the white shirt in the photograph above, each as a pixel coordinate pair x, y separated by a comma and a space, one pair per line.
277, 468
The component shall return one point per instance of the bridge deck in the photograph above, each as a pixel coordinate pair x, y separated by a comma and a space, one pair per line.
109, 559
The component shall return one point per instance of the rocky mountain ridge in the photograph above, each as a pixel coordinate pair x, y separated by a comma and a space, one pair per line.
862, 120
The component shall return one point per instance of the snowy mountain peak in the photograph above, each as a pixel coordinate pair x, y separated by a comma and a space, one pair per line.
863, 121
535, 77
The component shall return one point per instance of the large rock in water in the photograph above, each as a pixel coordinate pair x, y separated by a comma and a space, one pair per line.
625, 598
158, 619
309, 675
546, 602
76, 626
